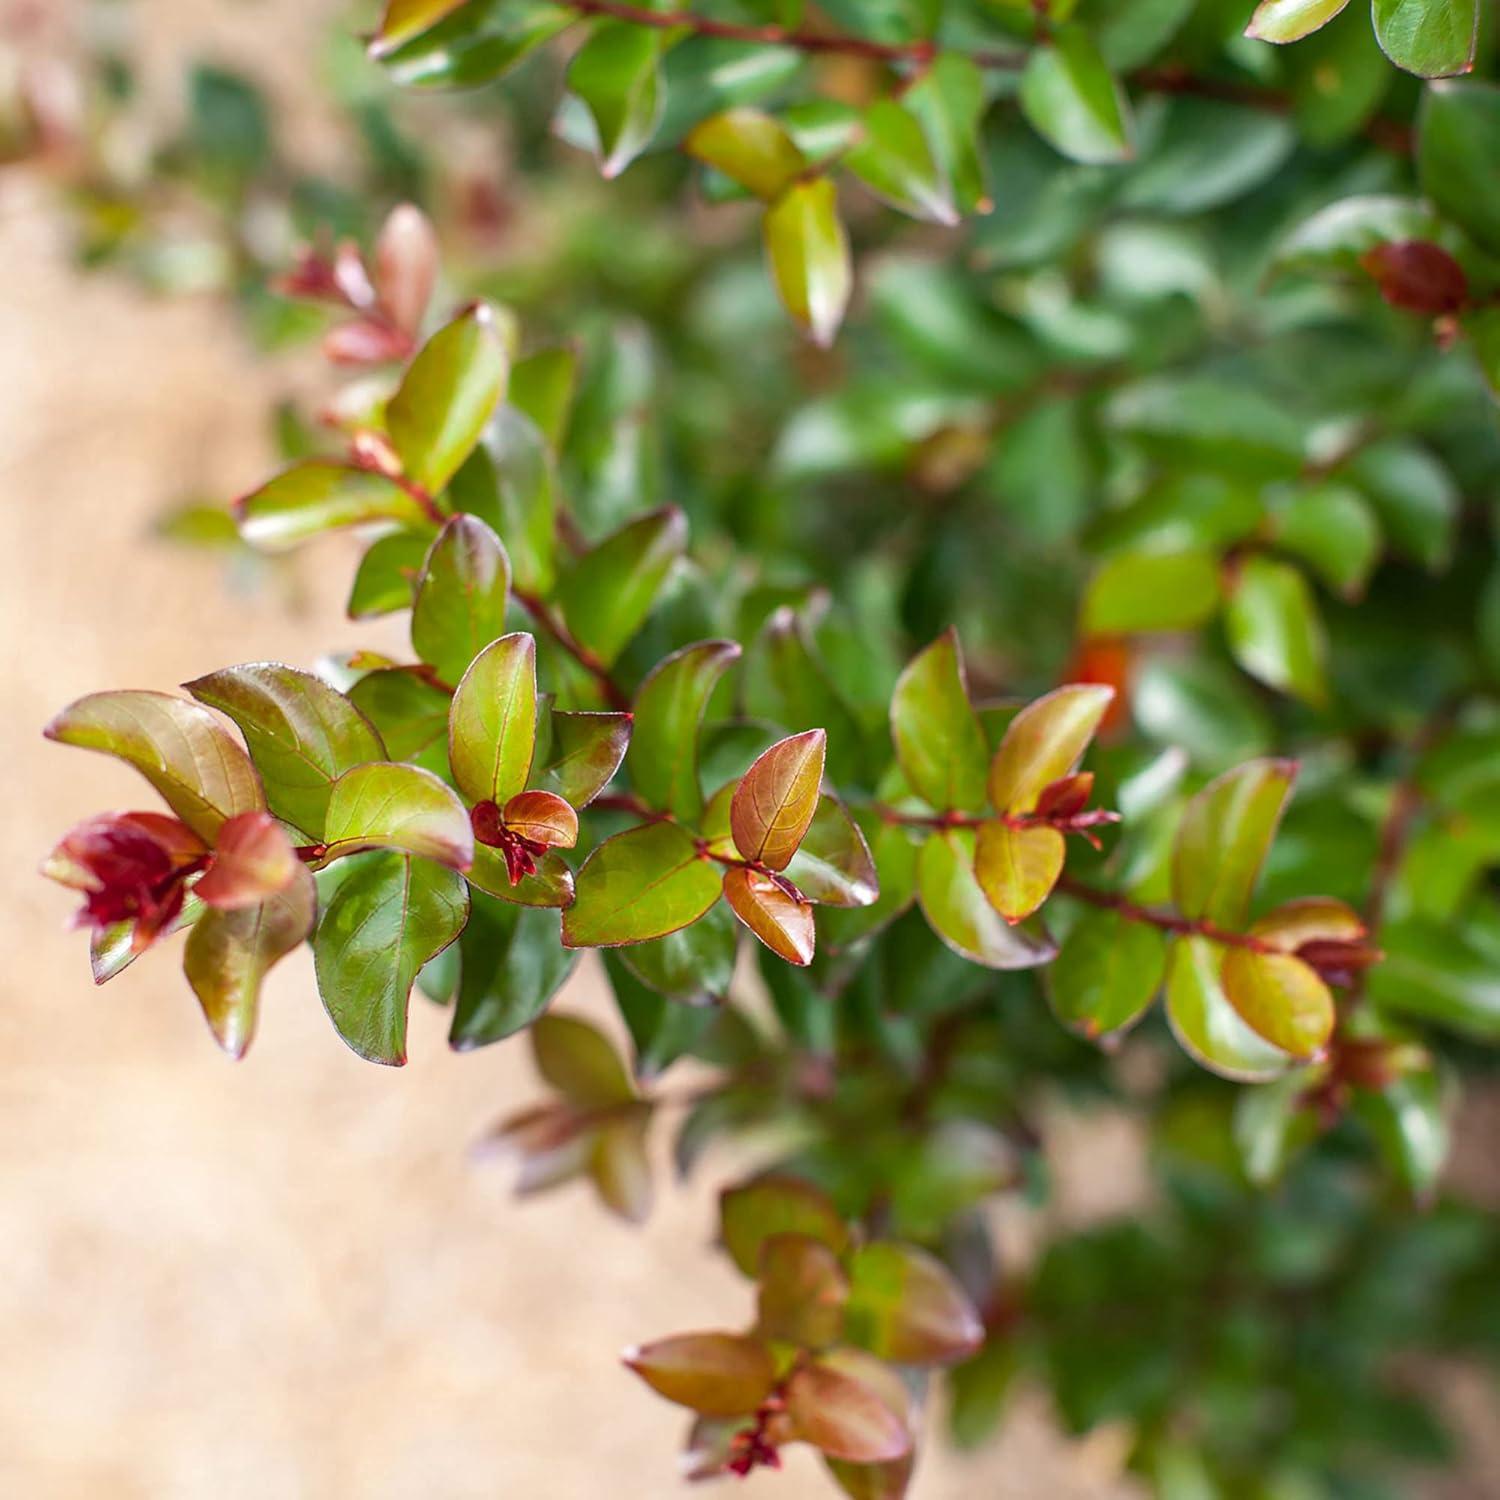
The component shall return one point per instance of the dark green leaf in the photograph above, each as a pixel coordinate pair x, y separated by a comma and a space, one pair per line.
669, 709
461, 598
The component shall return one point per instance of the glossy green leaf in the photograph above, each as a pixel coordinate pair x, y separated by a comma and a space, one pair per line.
716, 1374
1415, 497
228, 954
669, 709
1106, 974
551, 886
1273, 628
751, 1214
311, 498
1290, 20
1432, 973
1206, 1024
508, 483
1044, 742
905, 1306
892, 158
387, 805
641, 884
776, 798
1281, 999
1458, 141
511, 964
608, 593
1017, 868
750, 147
939, 743
617, 76
302, 734
542, 387
1333, 530
1223, 839
180, 748
387, 576
808, 249
1073, 100
461, 597
833, 865
692, 965
492, 724
1273, 1121
1431, 38
447, 396
390, 915
479, 41
1134, 592
949, 99
957, 909
409, 713
586, 751
843, 1417
581, 1063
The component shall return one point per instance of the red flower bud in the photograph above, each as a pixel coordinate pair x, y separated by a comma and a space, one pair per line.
1417, 277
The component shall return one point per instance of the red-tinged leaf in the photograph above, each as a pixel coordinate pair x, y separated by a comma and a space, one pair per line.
906, 1306
714, 1374
939, 741
228, 954
844, 1417
621, 1171
180, 748
461, 597
751, 148
492, 721
1017, 868
453, 385
551, 885
803, 1290
587, 749
783, 923
1206, 1025
406, 253
641, 884
833, 865
669, 711
776, 799
320, 495
873, 1481
751, 1213
1225, 834
252, 860
1431, 38
84, 857
1417, 277
1043, 743
1066, 797
957, 909
1281, 999
542, 817
387, 805
580, 1062
1291, 20
809, 253
1310, 919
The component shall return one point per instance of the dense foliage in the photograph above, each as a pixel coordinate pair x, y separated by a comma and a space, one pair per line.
1168, 380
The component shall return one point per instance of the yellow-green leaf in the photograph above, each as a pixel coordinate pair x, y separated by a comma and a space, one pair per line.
1043, 743
1018, 867
1281, 999
937, 734
809, 253
492, 722
389, 805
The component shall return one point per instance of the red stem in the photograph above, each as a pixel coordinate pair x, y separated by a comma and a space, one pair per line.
1168, 921
552, 623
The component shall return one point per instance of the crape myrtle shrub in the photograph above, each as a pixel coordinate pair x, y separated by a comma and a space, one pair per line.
997, 502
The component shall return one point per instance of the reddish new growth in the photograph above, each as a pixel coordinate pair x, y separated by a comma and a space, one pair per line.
754, 1447
520, 853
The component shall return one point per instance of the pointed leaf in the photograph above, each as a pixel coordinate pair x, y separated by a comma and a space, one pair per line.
581, 1063
542, 387
1073, 100
641, 884
1409, 1118
752, 1213
892, 158
691, 966
1431, 38
669, 711
750, 147
843, 1417
390, 915
809, 254
776, 799
180, 748
958, 910
492, 724
939, 742
1273, 628
906, 1306
387, 575
409, 713
780, 921
1290, 20
717, 1374
833, 865
1018, 867
461, 597
303, 735
587, 750
1134, 592
1206, 1024
387, 805
320, 495
404, 19
1281, 999
1107, 972
617, 75
441, 407
1043, 743
228, 954
949, 99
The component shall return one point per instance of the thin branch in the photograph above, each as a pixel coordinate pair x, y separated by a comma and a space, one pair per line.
1167, 921
553, 624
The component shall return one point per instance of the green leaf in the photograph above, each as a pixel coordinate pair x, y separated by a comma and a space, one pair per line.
1337, 237
1432, 973
1274, 1121
1223, 839
716, 1374
776, 799
1044, 742
550, 886
608, 593
1290, 20
1017, 868
387, 805
479, 41
511, 964
1279, 998
905, 1306
641, 884
542, 387
1333, 529
751, 148
581, 1063
461, 597
311, 498
586, 751
1074, 102
809, 253
507, 481
228, 954
1206, 1024
617, 76
958, 910
409, 713
669, 709
1135, 592
1107, 973
389, 916
404, 19
302, 734
1431, 38
1415, 497
492, 724
387, 576
833, 865
939, 742
892, 159
1458, 143
1409, 1119
802, 1292
749, 1215
691, 966
1273, 628
447, 397
180, 748
949, 99
843, 1417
